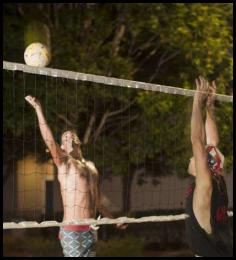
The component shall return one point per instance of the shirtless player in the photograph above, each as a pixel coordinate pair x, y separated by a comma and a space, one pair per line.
79, 183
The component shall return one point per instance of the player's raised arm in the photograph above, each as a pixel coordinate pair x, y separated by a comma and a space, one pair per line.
55, 150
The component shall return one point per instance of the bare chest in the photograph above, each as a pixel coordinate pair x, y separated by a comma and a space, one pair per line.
71, 177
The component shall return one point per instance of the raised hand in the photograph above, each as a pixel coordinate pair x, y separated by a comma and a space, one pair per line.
33, 101
211, 97
202, 90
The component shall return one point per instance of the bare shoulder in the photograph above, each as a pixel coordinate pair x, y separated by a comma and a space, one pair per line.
89, 163
91, 166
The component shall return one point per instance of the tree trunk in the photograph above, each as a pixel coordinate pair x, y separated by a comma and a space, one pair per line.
9, 174
8, 158
127, 180
6, 171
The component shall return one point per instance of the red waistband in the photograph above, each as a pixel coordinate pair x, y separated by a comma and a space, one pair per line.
76, 227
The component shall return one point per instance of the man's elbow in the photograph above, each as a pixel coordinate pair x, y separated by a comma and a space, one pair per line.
213, 142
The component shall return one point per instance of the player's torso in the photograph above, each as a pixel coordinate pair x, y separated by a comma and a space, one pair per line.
75, 191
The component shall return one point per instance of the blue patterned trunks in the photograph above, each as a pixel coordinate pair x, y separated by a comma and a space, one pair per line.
77, 243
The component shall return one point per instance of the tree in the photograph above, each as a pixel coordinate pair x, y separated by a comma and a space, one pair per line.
126, 132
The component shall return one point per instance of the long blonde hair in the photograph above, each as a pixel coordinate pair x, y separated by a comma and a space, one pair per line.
91, 173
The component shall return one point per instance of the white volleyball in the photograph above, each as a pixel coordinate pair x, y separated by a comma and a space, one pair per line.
37, 55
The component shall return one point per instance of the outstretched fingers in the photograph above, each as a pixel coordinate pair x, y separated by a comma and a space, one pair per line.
32, 101
213, 87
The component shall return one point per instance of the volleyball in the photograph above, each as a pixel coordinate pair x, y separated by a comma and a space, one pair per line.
37, 55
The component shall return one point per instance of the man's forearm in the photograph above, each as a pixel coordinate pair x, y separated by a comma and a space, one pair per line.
44, 128
197, 127
105, 212
211, 127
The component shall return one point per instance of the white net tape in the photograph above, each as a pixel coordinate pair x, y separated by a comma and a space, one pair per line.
33, 224
105, 80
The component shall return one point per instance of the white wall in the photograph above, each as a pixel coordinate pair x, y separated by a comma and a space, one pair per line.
31, 178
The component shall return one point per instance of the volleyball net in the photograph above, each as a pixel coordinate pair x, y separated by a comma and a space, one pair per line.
136, 133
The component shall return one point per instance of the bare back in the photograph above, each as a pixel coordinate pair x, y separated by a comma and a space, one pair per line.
75, 191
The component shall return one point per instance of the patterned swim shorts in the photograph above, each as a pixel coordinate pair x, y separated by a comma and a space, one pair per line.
77, 243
